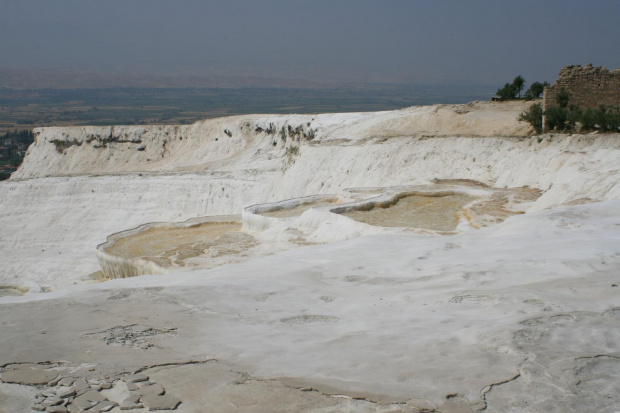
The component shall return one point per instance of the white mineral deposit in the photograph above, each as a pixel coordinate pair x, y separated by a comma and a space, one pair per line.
431, 259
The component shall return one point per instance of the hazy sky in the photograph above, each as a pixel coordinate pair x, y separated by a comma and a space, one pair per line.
412, 41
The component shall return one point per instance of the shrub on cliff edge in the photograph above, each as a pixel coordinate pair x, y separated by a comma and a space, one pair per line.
533, 115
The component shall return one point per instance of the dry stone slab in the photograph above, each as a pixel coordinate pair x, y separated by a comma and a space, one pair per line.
132, 386
72, 408
151, 389
55, 381
29, 376
129, 406
64, 393
80, 384
92, 395
52, 401
80, 405
66, 381
135, 378
132, 398
165, 402
88, 399
104, 406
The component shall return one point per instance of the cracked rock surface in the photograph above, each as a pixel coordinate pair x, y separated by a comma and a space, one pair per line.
449, 329
129, 336
522, 316
77, 388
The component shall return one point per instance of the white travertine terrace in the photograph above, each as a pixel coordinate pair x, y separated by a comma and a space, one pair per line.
518, 316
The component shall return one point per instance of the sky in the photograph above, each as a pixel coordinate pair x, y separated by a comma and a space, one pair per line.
382, 41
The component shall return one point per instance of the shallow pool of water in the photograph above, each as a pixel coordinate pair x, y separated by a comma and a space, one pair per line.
8, 291
166, 246
158, 240
437, 213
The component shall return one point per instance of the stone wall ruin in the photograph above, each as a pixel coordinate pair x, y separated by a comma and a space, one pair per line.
588, 86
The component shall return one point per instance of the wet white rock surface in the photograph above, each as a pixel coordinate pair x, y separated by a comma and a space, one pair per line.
409, 318
520, 316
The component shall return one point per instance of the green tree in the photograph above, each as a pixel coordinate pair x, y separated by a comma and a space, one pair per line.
556, 118
507, 92
518, 83
536, 89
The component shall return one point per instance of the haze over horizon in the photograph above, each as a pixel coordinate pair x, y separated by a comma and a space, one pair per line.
362, 41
